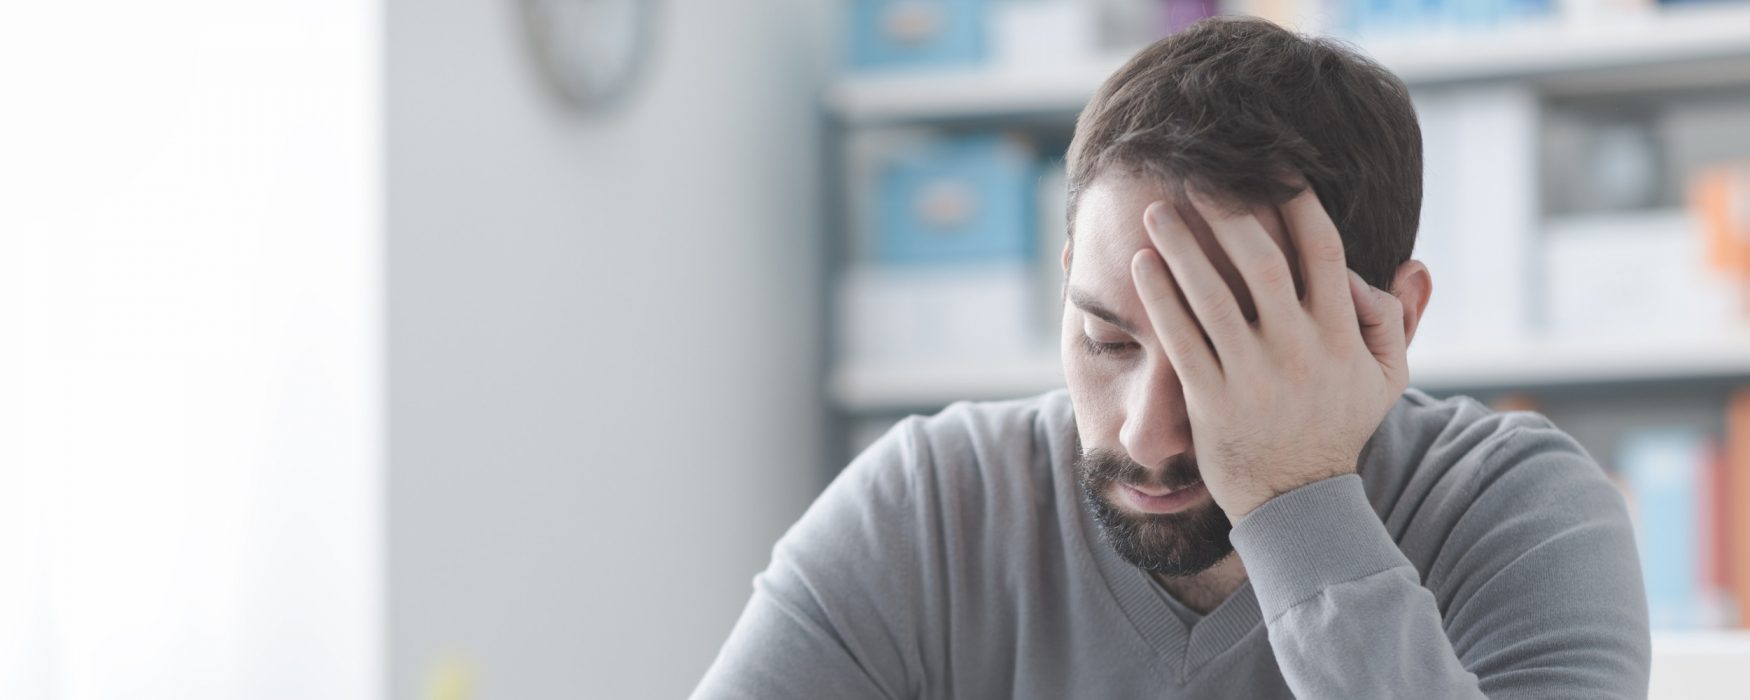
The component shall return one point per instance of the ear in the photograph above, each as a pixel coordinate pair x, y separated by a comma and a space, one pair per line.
1066, 248
1412, 285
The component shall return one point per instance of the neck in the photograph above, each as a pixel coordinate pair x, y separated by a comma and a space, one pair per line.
1204, 590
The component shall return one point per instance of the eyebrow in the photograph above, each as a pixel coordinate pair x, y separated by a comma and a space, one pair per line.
1087, 302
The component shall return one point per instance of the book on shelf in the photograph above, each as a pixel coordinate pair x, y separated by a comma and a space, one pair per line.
1688, 490
1734, 504
1671, 474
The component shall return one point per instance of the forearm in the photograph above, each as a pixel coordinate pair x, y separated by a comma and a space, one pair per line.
1346, 614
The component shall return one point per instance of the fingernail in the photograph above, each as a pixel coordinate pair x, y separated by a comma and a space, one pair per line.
1156, 215
1140, 264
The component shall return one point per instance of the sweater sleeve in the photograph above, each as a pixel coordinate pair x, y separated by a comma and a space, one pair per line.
831, 615
1543, 597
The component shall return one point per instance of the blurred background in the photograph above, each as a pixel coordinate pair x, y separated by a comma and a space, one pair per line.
454, 349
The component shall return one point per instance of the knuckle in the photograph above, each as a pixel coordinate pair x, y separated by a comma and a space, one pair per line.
1219, 308
1186, 343
1329, 251
1274, 274
1197, 341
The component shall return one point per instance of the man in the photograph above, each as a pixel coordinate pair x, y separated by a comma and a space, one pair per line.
1238, 495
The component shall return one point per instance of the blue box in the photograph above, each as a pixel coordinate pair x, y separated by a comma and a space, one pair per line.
897, 33
959, 199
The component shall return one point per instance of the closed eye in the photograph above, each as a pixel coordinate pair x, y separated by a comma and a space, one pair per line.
1098, 348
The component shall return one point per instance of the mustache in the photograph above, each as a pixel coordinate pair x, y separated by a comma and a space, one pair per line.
1101, 466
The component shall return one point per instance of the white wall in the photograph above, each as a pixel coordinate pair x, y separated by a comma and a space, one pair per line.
190, 286
601, 347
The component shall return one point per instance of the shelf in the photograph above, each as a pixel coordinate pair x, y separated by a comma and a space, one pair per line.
1699, 665
1572, 361
1528, 363
1692, 45
893, 387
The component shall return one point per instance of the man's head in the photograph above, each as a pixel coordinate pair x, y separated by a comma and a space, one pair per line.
1242, 110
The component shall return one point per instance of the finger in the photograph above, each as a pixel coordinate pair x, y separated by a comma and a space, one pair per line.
1260, 261
1322, 259
1381, 317
1202, 287
1194, 359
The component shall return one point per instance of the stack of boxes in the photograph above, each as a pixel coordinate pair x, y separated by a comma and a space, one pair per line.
959, 232
958, 263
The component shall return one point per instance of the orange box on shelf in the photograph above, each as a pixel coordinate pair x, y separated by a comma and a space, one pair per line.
1720, 196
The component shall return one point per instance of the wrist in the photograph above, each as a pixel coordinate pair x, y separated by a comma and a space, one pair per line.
1309, 539
1242, 504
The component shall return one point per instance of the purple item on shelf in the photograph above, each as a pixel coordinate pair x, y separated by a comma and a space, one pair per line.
1180, 14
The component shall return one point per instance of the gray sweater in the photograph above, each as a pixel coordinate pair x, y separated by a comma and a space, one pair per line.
1476, 553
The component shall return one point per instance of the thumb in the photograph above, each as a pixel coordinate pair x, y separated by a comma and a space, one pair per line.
1381, 316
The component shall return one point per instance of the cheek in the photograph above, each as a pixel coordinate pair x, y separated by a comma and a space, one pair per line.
1076, 366
1095, 383
1097, 411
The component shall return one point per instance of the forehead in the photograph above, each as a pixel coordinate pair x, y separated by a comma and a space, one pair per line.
1109, 231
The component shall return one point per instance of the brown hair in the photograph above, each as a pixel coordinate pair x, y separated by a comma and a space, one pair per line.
1232, 106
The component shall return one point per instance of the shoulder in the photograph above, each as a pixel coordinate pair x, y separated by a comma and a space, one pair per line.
1520, 535
1457, 450
992, 441
880, 540
958, 459
973, 468
1469, 493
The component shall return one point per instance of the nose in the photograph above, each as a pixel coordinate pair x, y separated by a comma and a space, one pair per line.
1156, 426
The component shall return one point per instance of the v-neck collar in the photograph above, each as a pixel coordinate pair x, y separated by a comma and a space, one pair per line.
1183, 650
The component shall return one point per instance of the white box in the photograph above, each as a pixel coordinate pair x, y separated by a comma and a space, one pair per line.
1630, 274
1479, 212
924, 313
1042, 33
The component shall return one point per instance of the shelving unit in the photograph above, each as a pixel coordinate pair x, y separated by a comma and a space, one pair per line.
1684, 47
1675, 49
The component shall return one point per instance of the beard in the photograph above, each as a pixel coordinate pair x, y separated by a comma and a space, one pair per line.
1168, 544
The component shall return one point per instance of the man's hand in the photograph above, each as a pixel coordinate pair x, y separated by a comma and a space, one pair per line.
1288, 399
